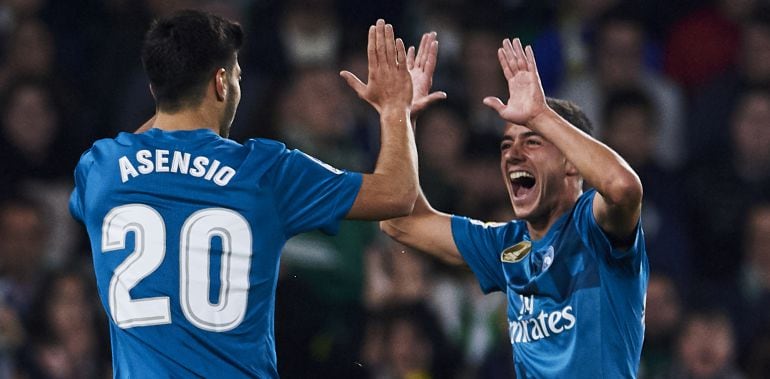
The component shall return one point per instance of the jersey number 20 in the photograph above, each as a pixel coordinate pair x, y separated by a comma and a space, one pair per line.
194, 256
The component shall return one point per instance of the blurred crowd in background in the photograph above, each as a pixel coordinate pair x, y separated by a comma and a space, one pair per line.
681, 89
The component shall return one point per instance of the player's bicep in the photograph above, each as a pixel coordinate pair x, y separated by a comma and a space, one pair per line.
429, 232
619, 223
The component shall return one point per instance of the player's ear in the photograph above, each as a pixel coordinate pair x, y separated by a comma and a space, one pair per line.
152, 92
220, 84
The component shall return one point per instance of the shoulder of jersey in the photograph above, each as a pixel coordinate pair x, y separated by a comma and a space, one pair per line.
263, 154
264, 144
105, 146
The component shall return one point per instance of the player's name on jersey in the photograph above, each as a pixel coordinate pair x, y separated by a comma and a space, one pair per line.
166, 161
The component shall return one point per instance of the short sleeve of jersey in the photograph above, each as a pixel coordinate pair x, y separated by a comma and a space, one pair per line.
78, 193
311, 194
594, 236
480, 245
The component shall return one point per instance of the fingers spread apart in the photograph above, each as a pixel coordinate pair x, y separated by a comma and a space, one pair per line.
514, 57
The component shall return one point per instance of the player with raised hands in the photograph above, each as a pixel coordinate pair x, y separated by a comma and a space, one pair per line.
186, 226
573, 263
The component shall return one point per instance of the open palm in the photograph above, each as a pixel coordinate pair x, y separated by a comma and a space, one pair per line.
389, 83
421, 67
526, 99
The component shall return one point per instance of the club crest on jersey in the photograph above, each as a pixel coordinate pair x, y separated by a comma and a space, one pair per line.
516, 252
547, 258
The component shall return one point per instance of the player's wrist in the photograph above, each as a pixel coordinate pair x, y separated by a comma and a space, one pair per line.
395, 111
545, 115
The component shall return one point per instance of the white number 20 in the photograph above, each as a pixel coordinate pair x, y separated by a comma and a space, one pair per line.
194, 257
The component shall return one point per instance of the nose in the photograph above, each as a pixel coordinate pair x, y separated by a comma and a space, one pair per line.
514, 154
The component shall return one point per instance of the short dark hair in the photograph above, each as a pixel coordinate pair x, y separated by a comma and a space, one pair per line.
572, 113
182, 50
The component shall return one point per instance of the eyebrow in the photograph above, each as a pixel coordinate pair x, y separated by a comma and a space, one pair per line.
522, 135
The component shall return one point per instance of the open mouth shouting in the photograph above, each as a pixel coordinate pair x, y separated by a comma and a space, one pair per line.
522, 184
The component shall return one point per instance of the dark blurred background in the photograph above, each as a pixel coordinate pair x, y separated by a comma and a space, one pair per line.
681, 89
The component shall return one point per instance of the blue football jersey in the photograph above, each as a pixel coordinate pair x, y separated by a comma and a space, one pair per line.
186, 230
575, 304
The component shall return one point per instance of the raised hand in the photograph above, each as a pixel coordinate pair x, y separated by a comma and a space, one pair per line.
526, 99
421, 67
389, 84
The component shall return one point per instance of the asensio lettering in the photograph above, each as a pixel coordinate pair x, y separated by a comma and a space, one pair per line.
159, 161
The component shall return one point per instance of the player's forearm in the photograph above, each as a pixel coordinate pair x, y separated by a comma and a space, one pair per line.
426, 230
421, 208
397, 160
600, 166
403, 232
421, 204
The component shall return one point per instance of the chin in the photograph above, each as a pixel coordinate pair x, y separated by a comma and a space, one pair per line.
529, 209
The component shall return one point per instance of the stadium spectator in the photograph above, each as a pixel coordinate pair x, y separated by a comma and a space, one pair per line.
758, 358
441, 142
716, 102
12, 339
618, 56
706, 348
721, 190
23, 233
705, 42
34, 141
30, 53
497, 362
37, 150
327, 128
479, 77
68, 336
397, 275
413, 345
310, 34
632, 129
564, 47
753, 311
663, 318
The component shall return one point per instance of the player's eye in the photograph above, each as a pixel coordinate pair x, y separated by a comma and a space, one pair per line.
504, 146
534, 142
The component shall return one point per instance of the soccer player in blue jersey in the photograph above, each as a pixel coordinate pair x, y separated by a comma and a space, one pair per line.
572, 263
186, 226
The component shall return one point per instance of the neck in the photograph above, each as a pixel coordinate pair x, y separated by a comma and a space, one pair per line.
538, 226
187, 119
